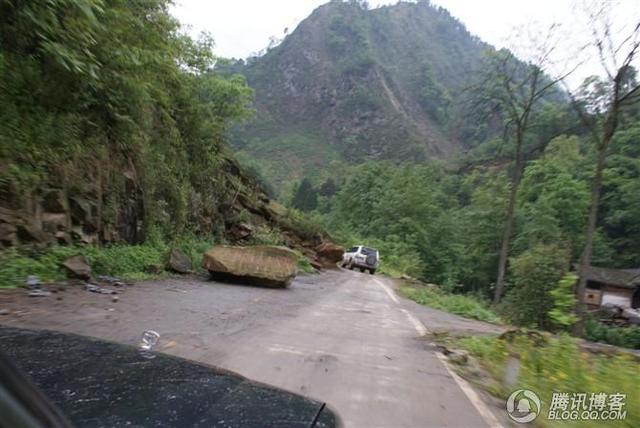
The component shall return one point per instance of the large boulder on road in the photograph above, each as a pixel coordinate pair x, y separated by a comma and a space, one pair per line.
265, 265
330, 253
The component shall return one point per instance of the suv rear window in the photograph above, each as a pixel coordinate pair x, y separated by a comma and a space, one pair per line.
368, 251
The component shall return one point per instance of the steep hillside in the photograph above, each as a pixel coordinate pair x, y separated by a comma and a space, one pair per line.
351, 84
97, 148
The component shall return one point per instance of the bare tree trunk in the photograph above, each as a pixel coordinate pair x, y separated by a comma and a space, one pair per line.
596, 187
585, 259
508, 227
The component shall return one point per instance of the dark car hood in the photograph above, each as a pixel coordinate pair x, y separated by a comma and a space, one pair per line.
103, 384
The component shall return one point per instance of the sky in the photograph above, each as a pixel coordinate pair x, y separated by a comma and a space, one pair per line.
243, 27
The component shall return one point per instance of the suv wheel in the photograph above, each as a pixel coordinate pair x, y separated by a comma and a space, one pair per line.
372, 271
362, 270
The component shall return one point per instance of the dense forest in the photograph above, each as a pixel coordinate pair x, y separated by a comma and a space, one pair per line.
445, 225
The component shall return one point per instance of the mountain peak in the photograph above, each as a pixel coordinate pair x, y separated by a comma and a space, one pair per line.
352, 83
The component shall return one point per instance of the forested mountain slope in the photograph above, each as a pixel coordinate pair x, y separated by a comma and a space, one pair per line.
352, 84
113, 130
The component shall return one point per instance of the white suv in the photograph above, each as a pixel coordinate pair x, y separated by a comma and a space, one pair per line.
361, 257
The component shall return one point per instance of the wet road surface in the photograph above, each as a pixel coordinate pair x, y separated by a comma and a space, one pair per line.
341, 337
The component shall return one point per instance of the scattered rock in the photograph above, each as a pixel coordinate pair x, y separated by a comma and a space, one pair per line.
178, 262
315, 263
4, 311
457, 356
33, 282
241, 231
97, 289
115, 299
78, 267
261, 265
329, 252
111, 280
154, 269
39, 292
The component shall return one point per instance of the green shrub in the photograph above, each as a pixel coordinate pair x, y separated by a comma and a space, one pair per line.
295, 220
558, 365
627, 337
193, 247
304, 265
265, 235
564, 301
534, 274
466, 306
124, 261
16, 265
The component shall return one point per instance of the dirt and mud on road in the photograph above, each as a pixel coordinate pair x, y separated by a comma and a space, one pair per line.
341, 337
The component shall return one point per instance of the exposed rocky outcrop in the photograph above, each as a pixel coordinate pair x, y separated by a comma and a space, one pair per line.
65, 215
269, 266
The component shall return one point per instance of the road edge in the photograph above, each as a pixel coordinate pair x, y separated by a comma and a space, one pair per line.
485, 412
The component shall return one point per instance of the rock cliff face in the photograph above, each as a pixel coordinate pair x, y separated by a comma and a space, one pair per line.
64, 214
56, 214
351, 84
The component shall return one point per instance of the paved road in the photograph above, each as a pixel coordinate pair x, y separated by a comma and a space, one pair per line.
341, 337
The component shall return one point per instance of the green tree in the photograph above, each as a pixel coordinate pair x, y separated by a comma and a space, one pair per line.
535, 274
605, 99
555, 197
516, 89
305, 197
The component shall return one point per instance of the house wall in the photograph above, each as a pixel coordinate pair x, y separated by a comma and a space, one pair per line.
616, 296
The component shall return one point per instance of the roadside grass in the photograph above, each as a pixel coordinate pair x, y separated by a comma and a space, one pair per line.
304, 265
465, 306
557, 364
129, 262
